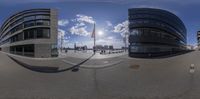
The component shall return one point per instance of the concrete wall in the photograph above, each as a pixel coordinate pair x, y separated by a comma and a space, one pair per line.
5, 49
54, 26
42, 50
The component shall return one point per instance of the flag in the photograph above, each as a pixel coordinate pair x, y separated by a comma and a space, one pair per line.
93, 33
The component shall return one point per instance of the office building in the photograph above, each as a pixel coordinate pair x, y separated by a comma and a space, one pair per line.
155, 32
31, 33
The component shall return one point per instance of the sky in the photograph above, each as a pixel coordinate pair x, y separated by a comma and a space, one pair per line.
76, 17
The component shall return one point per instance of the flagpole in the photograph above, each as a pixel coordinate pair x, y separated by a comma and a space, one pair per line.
94, 39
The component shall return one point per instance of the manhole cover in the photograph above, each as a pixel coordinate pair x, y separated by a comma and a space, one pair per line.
135, 67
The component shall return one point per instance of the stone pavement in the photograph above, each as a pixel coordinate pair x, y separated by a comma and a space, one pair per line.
132, 78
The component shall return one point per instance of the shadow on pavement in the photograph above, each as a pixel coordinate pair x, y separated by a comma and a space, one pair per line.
159, 55
47, 69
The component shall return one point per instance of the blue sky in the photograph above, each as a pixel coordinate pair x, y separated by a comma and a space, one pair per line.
76, 17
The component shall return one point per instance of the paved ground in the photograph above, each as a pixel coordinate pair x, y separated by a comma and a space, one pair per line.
86, 54
130, 78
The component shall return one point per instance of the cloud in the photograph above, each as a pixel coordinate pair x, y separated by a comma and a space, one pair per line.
81, 31
110, 37
80, 27
83, 18
122, 28
63, 22
108, 27
109, 23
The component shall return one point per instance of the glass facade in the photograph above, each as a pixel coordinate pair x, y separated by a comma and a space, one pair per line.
23, 23
198, 38
25, 50
154, 32
25, 32
34, 33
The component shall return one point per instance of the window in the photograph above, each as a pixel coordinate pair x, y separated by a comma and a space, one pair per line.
29, 18
19, 48
42, 17
43, 33
17, 37
19, 27
46, 33
12, 31
26, 50
20, 37
29, 48
134, 32
29, 24
29, 34
42, 22
39, 33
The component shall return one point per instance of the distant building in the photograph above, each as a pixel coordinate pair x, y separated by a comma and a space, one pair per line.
106, 47
111, 47
31, 33
99, 47
80, 48
84, 47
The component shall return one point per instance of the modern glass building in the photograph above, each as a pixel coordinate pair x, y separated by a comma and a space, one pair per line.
30, 33
155, 32
198, 38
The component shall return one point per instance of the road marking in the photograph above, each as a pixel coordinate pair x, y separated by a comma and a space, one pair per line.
192, 69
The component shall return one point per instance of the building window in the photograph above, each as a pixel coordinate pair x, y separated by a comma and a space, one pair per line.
46, 33
42, 17
26, 50
19, 27
29, 24
29, 18
43, 33
17, 37
29, 34
42, 22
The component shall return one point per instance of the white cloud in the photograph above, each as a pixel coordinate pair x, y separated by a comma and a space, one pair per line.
109, 23
81, 31
83, 18
122, 28
110, 37
80, 27
63, 22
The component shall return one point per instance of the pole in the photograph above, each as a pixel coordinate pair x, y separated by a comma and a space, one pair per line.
94, 39
61, 43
